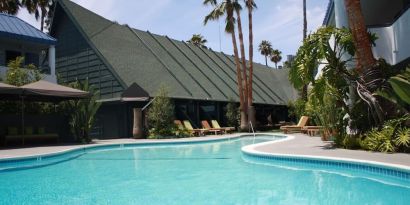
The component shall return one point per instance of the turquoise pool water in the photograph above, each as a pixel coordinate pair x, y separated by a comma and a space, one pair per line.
204, 173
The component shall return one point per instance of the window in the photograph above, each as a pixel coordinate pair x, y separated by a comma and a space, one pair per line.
11, 55
31, 58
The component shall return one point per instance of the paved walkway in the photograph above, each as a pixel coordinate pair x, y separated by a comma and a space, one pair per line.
48, 149
300, 145
314, 146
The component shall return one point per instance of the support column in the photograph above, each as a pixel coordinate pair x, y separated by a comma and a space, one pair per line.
52, 61
137, 129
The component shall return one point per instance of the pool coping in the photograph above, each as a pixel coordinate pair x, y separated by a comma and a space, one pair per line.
251, 150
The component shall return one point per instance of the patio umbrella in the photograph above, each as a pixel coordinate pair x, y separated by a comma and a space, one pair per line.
50, 92
41, 91
7, 90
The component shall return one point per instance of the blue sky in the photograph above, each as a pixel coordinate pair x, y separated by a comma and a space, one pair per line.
279, 21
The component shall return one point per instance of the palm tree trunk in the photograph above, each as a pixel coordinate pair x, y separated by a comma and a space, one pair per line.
304, 88
239, 79
266, 61
251, 109
304, 20
244, 69
364, 54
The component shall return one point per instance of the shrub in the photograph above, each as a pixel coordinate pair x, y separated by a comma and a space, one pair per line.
161, 116
82, 112
394, 136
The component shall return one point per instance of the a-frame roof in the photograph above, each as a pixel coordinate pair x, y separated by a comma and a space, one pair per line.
188, 71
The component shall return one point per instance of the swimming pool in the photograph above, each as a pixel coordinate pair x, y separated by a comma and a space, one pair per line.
200, 173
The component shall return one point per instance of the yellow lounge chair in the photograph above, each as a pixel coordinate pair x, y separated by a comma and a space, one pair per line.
189, 127
215, 124
295, 128
206, 125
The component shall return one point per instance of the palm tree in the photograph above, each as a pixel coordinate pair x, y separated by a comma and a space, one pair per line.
361, 39
265, 47
276, 57
238, 8
198, 40
304, 20
40, 8
304, 88
226, 8
370, 75
250, 5
10, 6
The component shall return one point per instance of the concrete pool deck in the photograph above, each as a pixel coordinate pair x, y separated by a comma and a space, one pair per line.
301, 144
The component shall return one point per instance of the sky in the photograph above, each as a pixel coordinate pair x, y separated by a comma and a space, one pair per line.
278, 21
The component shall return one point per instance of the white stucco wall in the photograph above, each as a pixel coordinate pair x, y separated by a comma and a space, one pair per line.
394, 41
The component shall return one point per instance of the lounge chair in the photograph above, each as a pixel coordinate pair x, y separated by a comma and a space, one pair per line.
295, 128
206, 125
215, 124
189, 127
312, 130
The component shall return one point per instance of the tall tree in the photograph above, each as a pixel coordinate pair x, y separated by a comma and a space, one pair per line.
361, 38
370, 74
304, 20
304, 88
276, 57
226, 8
238, 8
250, 5
40, 9
198, 40
10, 6
265, 47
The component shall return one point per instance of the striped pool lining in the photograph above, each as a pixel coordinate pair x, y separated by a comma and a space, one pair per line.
384, 169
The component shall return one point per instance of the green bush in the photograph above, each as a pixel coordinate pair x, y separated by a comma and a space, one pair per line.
82, 112
161, 116
394, 136
297, 108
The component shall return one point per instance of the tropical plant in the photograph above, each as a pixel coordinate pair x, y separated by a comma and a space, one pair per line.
10, 6
227, 8
394, 136
161, 115
42, 9
198, 40
83, 111
401, 85
275, 57
265, 47
18, 74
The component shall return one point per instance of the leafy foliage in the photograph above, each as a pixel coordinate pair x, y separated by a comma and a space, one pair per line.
161, 115
18, 74
82, 112
198, 40
394, 136
275, 56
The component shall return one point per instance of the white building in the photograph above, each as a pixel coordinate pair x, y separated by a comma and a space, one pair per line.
18, 38
388, 19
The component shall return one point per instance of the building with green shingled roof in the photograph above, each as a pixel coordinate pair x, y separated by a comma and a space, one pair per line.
113, 57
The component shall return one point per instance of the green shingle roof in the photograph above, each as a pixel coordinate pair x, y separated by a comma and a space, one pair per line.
188, 71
